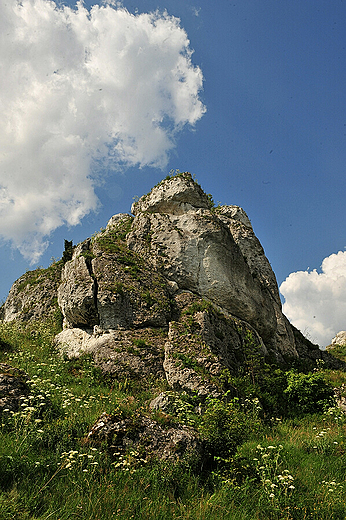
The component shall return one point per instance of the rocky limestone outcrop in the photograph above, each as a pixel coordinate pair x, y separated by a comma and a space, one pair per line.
108, 285
336, 350
191, 246
34, 295
76, 293
180, 291
124, 354
241, 229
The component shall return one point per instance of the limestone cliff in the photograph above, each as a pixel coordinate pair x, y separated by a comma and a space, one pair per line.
178, 290
34, 295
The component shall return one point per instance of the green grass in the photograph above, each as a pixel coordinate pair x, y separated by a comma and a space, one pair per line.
279, 468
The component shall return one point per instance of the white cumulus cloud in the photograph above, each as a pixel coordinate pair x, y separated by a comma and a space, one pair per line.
316, 302
82, 91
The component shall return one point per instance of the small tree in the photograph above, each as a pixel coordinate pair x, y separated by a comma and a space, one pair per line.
67, 254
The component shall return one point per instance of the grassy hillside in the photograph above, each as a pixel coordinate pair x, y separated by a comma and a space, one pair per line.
277, 451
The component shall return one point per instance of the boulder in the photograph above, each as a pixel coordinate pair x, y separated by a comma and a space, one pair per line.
77, 292
145, 437
118, 353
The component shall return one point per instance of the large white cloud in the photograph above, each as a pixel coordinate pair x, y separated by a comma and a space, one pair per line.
316, 302
81, 91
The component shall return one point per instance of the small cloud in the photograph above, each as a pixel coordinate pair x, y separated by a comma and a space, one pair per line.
316, 302
196, 11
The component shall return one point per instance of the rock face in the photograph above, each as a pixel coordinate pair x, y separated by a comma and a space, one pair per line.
181, 291
340, 338
193, 247
240, 227
34, 295
76, 294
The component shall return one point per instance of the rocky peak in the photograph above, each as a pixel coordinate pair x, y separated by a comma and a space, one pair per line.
183, 236
175, 196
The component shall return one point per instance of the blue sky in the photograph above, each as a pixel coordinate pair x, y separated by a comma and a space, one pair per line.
266, 130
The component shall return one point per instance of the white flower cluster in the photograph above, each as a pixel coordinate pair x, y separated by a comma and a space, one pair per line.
323, 440
333, 486
27, 417
84, 462
276, 484
129, 461
336, 413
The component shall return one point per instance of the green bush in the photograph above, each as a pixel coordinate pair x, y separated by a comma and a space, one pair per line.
225, 425
308, 393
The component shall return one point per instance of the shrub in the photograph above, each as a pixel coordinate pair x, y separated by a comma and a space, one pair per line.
308, 393
225, 425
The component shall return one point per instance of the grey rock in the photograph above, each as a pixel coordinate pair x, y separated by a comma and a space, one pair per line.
340, 338
76, 294
73, 342
340, 393
117, 219
147, 437
34, 295
13, 386
176, 196
197, 250
161, 402
130, 293
118, 353
205, 346
240, 226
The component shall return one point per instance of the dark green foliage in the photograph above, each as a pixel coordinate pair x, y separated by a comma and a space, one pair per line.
253, 355
187, 361
88, 255
270, 386
5, 346
210, 201
148, 298
68, 251
119, 288
227, 424
308, 393
140, 343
